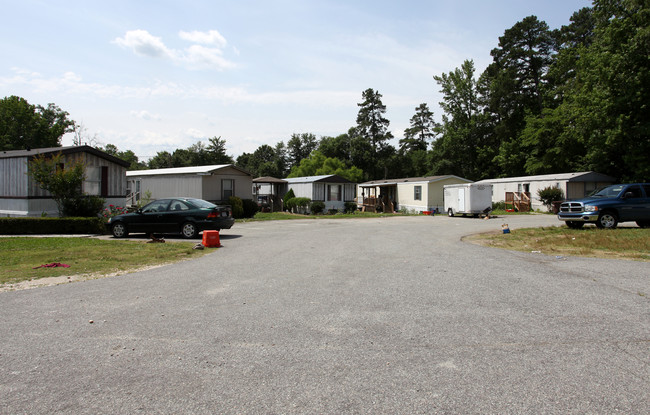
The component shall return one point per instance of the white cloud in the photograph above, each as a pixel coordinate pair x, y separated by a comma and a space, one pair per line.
211, 37
195, 133
143, 43
145, 115
199, 57
195, 56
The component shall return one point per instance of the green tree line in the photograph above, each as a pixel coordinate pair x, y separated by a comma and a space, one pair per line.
551, 101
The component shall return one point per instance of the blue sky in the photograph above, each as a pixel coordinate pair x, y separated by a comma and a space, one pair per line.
159, 75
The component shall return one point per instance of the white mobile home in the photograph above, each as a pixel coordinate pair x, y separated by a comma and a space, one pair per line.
332, 189
573, 185
22, 196
215, 183
414, 193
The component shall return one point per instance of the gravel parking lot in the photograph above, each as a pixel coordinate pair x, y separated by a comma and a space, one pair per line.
387, 315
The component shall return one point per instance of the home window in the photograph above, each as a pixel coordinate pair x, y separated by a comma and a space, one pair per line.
417, 193
227, 188
334, 192
93, 183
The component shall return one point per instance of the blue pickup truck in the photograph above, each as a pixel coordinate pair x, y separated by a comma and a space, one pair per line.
609, 206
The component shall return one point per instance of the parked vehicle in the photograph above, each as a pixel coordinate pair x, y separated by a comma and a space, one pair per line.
609, 206
468, 199
182, 215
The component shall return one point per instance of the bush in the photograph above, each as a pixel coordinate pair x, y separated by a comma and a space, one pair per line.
350, 207
317, 207
250, 208
299, 204
550, 194
498, 206
237, 207
48, 226
288, 204
83, 207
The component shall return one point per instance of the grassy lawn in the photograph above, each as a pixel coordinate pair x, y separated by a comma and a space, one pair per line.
620, 243
19, 256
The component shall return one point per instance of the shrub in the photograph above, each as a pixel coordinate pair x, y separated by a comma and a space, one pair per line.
350, 207
112, 211
250, 208
288, 205
83, 207
317, 207
498, 206
45, 226
237, 207
550, 194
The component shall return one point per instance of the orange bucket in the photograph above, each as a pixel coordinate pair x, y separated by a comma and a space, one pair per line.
211, 239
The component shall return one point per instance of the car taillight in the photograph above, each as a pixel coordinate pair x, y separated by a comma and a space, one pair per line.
213, 214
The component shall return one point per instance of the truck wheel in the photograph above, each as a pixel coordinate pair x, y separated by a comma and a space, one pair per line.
574, 224
450, 212
607, 220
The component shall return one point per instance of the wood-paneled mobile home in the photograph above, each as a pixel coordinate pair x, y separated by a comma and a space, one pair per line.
21, 196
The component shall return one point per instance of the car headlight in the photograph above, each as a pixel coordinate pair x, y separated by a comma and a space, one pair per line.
591, 208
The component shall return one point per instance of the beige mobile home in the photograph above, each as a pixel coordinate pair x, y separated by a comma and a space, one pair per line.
417, 194
215, 183
573, 185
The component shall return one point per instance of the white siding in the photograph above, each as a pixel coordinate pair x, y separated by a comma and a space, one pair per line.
171, 186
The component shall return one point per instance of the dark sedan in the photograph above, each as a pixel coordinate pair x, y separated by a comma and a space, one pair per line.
182, 215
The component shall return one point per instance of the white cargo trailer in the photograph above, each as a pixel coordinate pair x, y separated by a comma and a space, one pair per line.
468, 199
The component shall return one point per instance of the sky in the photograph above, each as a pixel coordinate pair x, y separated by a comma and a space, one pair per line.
152, 76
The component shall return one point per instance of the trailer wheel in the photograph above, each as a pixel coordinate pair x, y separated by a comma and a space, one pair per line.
450, 213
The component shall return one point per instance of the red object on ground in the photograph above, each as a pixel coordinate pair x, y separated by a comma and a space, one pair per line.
53, 265
211, 239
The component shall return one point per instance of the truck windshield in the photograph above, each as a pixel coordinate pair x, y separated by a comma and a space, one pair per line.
609, 191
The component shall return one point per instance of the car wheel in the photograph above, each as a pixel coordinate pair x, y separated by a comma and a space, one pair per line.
189, 230
607, 220
119, 230
450, 212
643, 223
575, 225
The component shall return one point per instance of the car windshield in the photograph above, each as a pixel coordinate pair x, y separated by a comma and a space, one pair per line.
609, 191
200, 203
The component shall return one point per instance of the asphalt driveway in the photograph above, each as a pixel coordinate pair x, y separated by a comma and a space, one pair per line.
392, 315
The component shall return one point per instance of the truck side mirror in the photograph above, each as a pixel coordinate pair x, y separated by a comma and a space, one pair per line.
628, 195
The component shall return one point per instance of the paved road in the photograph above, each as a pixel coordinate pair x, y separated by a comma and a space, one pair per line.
338, 316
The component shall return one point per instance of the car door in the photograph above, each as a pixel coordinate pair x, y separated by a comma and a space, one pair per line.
646, 202
151, 217
176, 215
633, 204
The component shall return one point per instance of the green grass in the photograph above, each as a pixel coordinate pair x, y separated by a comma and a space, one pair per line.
620, 243
19, 256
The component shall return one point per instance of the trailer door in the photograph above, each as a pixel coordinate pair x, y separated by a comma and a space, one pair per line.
461, 199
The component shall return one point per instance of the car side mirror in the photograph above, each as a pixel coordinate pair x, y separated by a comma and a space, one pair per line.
628, 195
139, 210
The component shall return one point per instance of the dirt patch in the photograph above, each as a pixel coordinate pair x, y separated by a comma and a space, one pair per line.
64, 279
